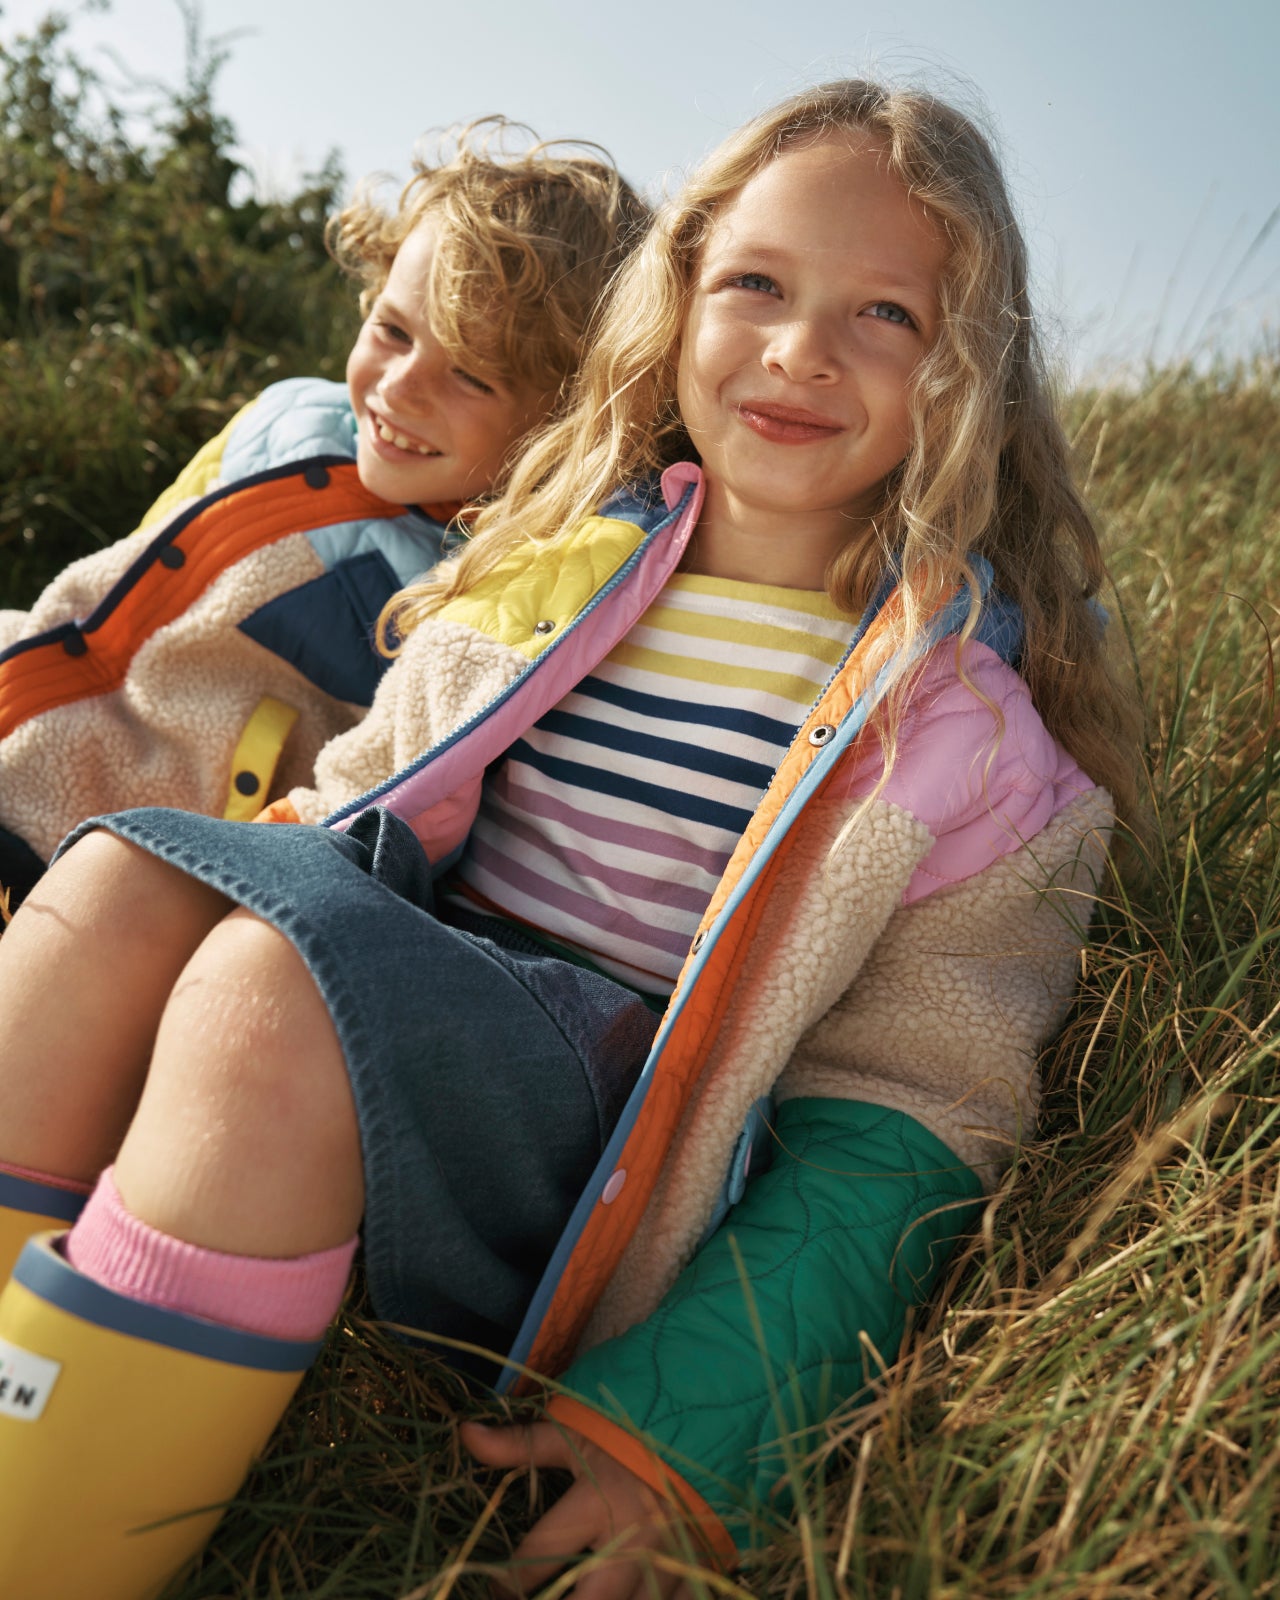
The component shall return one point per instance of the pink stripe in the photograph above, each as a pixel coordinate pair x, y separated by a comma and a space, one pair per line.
648, 887
504, 873
283, 1299
48, 1179
598, 825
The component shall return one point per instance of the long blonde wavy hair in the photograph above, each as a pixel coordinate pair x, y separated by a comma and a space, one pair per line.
988, 473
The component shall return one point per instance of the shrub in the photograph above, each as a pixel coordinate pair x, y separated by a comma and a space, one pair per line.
144, 295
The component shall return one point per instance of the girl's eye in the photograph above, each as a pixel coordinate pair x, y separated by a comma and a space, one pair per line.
758, 282
887, 311
394, 332
478, 384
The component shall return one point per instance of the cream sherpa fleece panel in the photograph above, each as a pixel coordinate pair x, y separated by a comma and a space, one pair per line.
945, 1019
445, 674
821, 921
167, 736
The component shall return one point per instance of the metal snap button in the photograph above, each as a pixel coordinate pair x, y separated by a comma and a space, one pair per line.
824, 733
545, 626
699, 939
172, 557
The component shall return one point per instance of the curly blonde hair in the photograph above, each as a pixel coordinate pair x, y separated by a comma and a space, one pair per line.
988, 472
528, 239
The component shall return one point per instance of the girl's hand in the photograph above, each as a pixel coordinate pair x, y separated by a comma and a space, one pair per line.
607, 1506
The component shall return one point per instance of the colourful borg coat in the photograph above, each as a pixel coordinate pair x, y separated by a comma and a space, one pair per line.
890, 997
204, 661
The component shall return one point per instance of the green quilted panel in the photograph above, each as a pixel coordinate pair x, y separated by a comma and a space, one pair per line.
758, 1340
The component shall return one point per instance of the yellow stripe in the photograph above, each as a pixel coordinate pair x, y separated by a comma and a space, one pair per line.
255, 758
787, 686
742, 630
815, 602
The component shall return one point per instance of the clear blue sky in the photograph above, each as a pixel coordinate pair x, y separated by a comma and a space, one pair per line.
1142, 137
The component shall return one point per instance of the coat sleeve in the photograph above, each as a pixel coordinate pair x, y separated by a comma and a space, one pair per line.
444, 674
784, 1315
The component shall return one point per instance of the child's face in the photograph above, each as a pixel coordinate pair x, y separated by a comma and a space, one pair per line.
429, 432
813, 303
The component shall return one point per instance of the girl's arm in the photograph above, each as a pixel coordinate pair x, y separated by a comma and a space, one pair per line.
443, 675
785, 1314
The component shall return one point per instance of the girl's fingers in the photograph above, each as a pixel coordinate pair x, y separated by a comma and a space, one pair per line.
574, 1525
629, 1580
537, 1444
605, 1501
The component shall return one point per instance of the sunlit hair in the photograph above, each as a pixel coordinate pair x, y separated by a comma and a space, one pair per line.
527, 238
988, 471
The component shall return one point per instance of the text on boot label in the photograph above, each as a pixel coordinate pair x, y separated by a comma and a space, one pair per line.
26, 1381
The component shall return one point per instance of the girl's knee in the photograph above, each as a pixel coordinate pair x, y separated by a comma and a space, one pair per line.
247, 1137
109, 881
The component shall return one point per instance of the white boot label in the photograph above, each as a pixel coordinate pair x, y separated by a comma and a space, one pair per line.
26, 1381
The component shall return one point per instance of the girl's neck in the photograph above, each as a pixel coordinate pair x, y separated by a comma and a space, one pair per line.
757, 545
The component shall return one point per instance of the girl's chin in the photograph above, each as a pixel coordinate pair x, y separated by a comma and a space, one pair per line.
408, 481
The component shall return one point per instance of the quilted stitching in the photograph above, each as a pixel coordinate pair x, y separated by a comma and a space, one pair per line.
850, 1227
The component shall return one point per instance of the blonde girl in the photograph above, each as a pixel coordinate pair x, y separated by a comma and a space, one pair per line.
739, 792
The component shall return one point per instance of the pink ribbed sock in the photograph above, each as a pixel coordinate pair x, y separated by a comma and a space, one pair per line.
48, 1179
284, 1299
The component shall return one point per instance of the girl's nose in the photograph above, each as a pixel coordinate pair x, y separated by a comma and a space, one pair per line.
802, 350
413, 375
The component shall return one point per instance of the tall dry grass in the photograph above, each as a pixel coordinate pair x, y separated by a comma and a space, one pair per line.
1092, 1406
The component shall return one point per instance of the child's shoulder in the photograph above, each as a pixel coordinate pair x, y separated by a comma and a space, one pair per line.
292, 420
975, 763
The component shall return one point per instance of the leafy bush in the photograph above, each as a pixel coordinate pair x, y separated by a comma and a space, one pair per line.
143, 298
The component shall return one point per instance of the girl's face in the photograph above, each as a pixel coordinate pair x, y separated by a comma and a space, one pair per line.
815, 298
429, 432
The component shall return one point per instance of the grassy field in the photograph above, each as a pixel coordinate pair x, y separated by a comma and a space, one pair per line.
1091, 1407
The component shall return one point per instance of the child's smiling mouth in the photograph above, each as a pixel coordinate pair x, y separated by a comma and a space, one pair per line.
386, 434
786, 424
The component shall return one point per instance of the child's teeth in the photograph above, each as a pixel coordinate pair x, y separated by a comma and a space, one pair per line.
399, 440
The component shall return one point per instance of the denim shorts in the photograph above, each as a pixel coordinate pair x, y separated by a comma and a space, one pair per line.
487, 1072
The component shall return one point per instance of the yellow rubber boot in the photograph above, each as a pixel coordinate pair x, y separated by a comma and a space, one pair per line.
115, 1419
28, 1207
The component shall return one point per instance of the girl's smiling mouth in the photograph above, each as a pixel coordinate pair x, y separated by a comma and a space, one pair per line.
787, 424
388, 439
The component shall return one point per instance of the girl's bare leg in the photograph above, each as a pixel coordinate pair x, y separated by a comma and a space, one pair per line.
86, 968
245, 1139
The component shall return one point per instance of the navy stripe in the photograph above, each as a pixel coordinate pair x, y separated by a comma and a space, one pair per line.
21, 1194
676, 753
734, 819
773, 730
42, 1270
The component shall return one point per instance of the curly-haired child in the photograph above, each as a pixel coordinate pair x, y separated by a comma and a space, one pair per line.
203, 661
